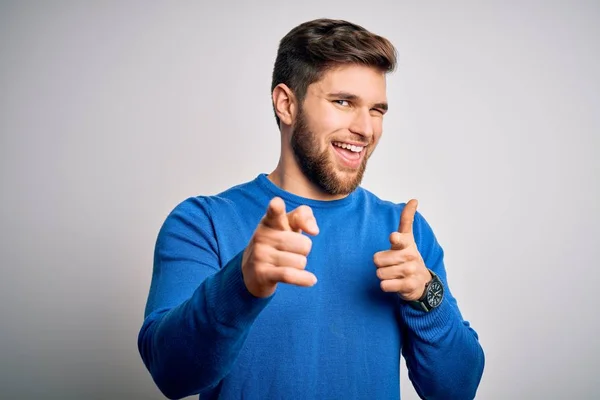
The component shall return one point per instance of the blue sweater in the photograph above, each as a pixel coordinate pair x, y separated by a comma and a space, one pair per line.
204, 333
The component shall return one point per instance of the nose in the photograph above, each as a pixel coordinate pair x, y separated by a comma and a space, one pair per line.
362, 123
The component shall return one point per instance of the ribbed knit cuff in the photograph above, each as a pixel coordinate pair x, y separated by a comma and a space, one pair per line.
430, 326
226, 294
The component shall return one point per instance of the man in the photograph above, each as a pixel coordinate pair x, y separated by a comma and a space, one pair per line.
235, 309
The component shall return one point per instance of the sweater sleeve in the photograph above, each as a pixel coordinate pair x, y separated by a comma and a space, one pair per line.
198, 314
442, 351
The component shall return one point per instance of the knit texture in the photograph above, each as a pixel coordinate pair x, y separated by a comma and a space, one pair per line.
205, 334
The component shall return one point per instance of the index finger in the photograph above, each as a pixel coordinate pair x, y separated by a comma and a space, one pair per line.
408, 216
302, 219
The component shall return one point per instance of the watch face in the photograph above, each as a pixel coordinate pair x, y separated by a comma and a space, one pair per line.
435, 293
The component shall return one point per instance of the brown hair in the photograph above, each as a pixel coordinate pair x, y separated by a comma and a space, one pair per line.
313, 47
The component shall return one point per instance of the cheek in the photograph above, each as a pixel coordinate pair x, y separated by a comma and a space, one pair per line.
330, 122
325, 124
377, 129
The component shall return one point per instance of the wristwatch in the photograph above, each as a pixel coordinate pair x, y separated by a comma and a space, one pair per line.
432, 296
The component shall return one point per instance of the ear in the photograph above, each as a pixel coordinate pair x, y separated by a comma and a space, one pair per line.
284, 102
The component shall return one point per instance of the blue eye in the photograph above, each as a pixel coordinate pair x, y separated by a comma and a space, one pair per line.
342, 102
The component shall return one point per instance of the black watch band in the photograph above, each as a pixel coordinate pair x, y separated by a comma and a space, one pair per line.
432, 295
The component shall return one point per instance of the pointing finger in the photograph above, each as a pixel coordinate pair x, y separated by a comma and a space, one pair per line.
302, 219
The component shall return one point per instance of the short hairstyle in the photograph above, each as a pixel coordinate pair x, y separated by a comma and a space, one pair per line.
313, 47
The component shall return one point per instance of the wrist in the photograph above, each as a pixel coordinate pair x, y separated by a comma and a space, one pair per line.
428, 277
433, 294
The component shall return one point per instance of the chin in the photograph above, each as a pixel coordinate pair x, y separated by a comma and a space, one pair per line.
342, 182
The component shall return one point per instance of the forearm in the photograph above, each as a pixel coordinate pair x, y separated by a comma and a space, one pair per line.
442, 353
192, 347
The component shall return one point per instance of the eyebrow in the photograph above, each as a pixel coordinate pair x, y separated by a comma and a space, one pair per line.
353, 97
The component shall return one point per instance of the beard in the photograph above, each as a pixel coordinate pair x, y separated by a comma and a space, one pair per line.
319, 166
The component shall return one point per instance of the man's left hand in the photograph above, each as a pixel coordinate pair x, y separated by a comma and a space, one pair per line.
402, 269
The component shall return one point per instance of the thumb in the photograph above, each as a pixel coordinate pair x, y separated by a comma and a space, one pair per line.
408, 216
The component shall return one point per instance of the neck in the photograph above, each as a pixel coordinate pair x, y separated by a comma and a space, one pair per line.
288, 175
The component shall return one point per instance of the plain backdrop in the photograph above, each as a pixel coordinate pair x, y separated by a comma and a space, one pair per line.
112, 112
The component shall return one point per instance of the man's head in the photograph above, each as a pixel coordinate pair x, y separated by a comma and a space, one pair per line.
329, 98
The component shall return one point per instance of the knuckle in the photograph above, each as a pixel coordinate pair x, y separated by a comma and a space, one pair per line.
261, 233
411, 268
279, 241
260, 252
260, 276
410, 256
286, 276
400, 257
398, 260
411, 286
256, 242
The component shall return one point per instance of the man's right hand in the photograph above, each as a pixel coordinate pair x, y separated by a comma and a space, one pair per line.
277, 250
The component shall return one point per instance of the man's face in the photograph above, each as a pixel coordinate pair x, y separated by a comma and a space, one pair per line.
338, 127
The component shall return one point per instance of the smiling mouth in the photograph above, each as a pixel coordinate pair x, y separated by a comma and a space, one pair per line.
350, 147
350, 155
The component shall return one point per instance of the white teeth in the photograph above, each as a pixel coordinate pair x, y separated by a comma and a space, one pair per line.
356, 149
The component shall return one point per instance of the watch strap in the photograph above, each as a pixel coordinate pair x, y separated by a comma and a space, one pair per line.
422, 303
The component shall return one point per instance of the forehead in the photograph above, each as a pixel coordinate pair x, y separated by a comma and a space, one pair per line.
366, 82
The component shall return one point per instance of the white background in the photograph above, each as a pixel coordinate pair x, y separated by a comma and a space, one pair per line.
112, 112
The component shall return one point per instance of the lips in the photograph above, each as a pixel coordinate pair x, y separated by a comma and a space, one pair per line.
349, 155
